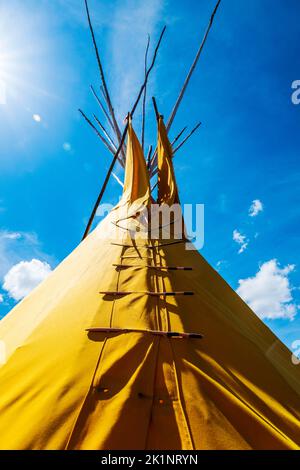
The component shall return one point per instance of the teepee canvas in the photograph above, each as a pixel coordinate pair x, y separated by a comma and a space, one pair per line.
138, 343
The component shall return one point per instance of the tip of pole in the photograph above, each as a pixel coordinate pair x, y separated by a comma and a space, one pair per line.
127, 118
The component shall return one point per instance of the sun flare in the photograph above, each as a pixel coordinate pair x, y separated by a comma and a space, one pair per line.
23, 55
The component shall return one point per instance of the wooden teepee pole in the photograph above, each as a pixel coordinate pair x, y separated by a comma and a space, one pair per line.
105, 132
110, 148
178, 136
186, 82
155, 108
187, 138
102, 107
92, 216
148, 71
106, 92
145, 95
99, 198
149, 156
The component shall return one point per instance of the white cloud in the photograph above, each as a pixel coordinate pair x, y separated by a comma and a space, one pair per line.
25, 276
1, 299
18, 246
11, 235
36, 117
240, 240
67, 146
221, 264
255, 208
269, 293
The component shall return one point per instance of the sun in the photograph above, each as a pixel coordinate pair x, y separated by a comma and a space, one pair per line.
24, 48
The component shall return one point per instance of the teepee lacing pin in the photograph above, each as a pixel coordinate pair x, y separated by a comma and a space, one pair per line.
167, 268
119, 293
151, 247
168, 334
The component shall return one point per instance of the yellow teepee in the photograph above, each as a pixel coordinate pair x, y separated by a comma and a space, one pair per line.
138, 343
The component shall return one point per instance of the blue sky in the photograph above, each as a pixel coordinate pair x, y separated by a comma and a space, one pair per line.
52, 165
